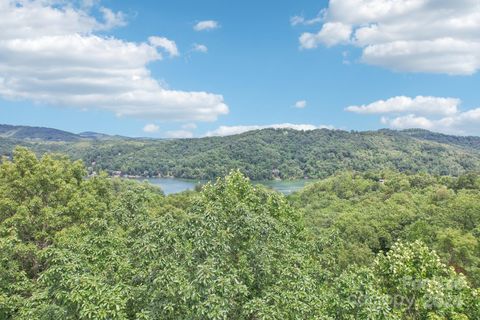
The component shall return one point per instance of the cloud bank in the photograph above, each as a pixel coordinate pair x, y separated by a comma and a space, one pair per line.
420, 104
431, 113
432, 36
52, 53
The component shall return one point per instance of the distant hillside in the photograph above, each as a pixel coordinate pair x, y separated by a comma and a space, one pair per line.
267, 154
469, 142
47, 134
36, 133
93, 135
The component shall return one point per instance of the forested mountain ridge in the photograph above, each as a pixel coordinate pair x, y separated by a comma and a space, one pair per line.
465, 141
271, 153
42, 134
39, 133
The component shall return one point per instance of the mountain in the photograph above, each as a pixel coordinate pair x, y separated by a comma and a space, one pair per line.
36, 133
93, 135
42, 134
260, 154
469, 141
101, 136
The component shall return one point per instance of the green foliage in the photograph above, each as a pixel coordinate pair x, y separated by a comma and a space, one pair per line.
73, 247
420, 285
367, 213
42, 201
270, 153
409, 282
227, 258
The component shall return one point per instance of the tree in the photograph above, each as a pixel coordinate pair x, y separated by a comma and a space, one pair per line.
409, 282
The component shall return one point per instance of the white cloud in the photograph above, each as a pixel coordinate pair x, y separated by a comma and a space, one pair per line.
434, 36
50, 54
206, 25
464, 123
231, 130
431, 113
189, 126
296, 20
200, 48
300, 20
151, 128
179, 134
112, 19
332, 33
420, 104
166, 44
409, 121
300, 104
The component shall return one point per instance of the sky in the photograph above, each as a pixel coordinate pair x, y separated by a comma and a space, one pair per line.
193, 68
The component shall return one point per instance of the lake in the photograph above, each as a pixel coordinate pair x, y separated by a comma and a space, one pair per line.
175, 185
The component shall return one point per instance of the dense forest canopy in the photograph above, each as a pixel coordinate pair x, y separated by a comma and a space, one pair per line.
367, 213
264, 154
379, 245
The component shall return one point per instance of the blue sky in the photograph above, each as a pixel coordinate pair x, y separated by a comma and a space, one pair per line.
260, 59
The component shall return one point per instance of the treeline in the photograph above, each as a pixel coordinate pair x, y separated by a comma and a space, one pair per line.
275, 153
102, 248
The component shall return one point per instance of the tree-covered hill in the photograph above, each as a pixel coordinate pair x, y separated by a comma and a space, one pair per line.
102, 248
272, 153
468, 141
42, 134
36, 133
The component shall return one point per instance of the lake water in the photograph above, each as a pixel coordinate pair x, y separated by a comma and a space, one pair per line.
174, 185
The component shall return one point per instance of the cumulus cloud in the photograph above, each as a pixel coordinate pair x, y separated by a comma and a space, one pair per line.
151, 128
300, 104
410, 36
200, 48
51, 53
166, 44
420, 104
431, 113
231, 130
409, 121
463, 123
206, 25
332, 33
179, 134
